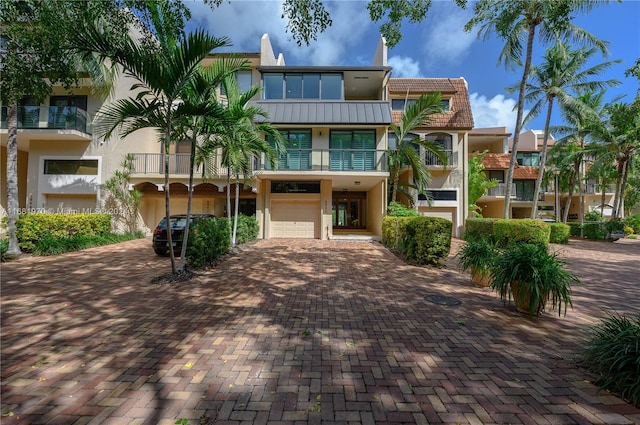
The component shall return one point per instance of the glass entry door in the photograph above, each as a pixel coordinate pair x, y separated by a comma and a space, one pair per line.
349, 210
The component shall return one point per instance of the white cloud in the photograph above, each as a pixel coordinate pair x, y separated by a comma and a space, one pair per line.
445, 38
495, 112
404, 67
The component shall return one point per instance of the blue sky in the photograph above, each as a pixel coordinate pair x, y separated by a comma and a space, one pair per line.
436, 47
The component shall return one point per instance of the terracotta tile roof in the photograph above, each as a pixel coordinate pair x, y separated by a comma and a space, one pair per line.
459, 116
496, 161
525, 173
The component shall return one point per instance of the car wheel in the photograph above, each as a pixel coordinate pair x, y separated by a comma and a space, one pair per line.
160, 251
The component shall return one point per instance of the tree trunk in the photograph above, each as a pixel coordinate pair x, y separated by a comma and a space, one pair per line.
516, 131
572, 185
235, 217
543, 161
618, 192
192, 161
12, 177
172, 255
625, 178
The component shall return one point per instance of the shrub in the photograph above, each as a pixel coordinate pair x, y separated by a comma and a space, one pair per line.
428, 240
479, 229
559, 233
208, 241
613, 352
593, 215
247, 228
4, 247
627, 230
509, 231
594, 231
394, 231
55, 246
396, 209
34, 227
633, 221
575, 229
614, 225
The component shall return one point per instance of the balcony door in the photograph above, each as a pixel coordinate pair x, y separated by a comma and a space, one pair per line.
349, 210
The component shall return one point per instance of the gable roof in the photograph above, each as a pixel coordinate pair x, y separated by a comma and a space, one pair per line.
500, 161
459, 116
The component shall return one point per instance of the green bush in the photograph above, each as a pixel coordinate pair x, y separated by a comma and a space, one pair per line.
633, 221
208, 241
394, 231
510, 231
479, 229
54, 246
34, 227
396, 209
593, 215
247, 229
575, 229
428, 240
559, 232
594, 231
613, 353
627, 230
4, 247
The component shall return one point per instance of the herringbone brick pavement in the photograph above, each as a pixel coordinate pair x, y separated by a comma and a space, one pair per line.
292, 332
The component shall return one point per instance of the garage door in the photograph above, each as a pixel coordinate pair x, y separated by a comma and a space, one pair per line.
295, 219
71, 203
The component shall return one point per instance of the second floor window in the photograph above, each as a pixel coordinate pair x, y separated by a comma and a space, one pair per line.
298, 156
497, 175
244, 82
531, 159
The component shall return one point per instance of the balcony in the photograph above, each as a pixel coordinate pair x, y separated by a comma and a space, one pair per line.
351, 160
50, 117
500, 190
299, 160
432, 160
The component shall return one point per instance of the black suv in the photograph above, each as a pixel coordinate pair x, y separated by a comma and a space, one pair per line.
178, 223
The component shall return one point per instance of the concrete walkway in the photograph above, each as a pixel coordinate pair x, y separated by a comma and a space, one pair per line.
298, 332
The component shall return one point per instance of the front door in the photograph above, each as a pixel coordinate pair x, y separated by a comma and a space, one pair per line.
349, 210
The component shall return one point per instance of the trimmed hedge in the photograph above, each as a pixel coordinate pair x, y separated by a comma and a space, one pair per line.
560, 232
529, 231
56, 246
208, 241
247, 229
422, 240
479, 229
429, 240
594, 231
575, 229
34, 227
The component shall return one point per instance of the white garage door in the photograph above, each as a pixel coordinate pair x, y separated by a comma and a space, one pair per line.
295, 219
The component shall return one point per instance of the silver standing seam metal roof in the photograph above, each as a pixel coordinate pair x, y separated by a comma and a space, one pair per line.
326, 112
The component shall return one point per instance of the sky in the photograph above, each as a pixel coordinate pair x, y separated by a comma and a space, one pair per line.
436, 47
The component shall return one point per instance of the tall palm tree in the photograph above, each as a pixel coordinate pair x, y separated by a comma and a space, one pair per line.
162, 77
561, 72
239, 139
405, 153
517, 22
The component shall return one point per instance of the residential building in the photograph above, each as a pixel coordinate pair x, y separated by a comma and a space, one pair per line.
496, 143
331, 180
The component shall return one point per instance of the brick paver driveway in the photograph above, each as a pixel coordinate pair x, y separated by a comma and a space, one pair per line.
298, 332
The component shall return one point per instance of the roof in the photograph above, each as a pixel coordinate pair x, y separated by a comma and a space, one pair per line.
326, 112
459, 115
500, 161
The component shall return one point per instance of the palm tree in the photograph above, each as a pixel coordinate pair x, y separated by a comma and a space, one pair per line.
517, 21
406, 152
162, 76
239, 139
561, 70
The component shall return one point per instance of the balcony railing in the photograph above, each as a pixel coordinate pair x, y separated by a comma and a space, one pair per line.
500, 190
433, 161
330, 160
53, 117
294, 160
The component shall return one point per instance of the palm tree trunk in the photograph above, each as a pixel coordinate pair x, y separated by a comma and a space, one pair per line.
573, 180
172, 255
625, 178
618, 193
192, 161
235, 217
543, 161
12, 177
516, 131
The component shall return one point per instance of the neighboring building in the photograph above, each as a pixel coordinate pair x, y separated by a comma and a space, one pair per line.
496, 142
332, 179
450, 130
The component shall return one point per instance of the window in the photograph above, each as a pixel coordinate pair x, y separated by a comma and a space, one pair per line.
446, 104
393, 140
69, 101
497, 175
302, 86
295, 187
84, 167
298, 156
399, 104
440, 195
352, 150
243, 78
528, 158
445, 141
524, 189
